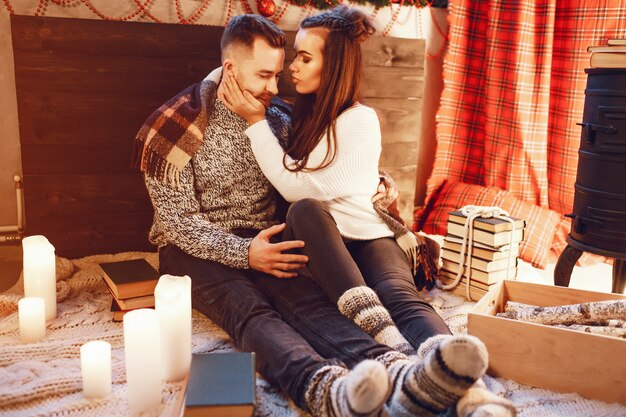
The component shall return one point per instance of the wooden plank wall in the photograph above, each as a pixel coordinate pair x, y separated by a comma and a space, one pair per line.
84, 87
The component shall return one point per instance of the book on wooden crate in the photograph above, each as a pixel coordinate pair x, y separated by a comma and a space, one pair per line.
478, 263
221, 385
489, 224
130, 279
488, 238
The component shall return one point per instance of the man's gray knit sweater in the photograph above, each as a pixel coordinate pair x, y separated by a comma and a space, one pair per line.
222, 189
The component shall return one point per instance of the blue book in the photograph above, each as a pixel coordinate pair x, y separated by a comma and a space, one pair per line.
221, 385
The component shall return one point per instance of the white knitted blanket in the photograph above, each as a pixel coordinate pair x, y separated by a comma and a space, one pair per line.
43, 378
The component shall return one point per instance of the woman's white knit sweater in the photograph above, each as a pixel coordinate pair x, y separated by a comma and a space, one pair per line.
347, 184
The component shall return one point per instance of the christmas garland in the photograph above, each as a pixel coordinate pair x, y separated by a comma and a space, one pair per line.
265, 7
327, 4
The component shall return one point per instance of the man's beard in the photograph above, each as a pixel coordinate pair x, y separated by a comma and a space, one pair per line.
265, 99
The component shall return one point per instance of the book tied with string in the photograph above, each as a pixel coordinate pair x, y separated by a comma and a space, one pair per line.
494, 253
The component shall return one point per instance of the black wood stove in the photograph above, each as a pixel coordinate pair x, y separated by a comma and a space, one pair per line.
599, 217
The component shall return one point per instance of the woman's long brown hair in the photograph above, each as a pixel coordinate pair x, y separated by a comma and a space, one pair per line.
315, 115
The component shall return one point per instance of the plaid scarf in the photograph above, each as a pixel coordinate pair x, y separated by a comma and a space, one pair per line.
172, 135
421, 251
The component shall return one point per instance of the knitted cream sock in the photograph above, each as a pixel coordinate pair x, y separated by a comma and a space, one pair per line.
430, 386
478, 401
362, 305
429, 344
334, 391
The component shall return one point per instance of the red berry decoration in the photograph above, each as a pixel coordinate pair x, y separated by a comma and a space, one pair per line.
266, 8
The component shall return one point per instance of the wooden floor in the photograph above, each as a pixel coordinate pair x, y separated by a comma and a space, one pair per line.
10, 265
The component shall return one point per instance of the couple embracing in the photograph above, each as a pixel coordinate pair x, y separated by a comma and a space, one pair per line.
324, 294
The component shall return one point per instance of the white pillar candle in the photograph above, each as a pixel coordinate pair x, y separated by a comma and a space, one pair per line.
32, 316
142, 348
173, 303
40, 272
95, 367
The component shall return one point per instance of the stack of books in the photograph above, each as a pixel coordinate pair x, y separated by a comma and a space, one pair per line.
493, 243
611, 55
131, 284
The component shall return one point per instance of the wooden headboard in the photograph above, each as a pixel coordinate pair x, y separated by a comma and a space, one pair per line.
84, 87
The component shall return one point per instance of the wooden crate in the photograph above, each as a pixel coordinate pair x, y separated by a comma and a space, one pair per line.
549, 357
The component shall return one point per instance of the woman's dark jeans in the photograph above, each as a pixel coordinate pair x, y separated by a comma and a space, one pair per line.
380, 264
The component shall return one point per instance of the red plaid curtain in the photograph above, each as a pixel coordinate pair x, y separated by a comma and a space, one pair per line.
514, 91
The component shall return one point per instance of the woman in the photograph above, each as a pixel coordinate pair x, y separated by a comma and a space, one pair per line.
332, 156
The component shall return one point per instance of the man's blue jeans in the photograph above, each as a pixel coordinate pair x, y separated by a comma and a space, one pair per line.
290, 324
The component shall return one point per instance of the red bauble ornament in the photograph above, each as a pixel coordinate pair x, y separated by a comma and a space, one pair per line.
266, 8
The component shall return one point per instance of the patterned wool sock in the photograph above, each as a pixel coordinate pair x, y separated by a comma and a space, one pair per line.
362, 305
478, 401
334, 391
428, 387
429, 344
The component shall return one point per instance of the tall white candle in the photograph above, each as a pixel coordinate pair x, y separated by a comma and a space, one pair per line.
142, 348
40, 272
173, 303
95, 367
32, 317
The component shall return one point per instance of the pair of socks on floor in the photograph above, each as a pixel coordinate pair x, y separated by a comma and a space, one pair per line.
417, 389
393, 385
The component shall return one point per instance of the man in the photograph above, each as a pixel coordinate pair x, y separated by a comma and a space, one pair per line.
215, 220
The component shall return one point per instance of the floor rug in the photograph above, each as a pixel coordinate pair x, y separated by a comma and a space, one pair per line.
43, 378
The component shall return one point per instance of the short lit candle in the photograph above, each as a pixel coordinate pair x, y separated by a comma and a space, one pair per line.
142, 348
32, 316
173, 303
95, 366
40, 272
